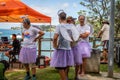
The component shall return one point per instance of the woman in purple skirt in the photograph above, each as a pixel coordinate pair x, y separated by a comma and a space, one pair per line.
83, 43
62, 56
28, 51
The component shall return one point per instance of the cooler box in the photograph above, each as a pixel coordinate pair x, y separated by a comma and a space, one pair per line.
118, 54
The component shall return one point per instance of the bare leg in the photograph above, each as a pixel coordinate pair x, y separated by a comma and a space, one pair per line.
33, 71
77, 67
62, 74
27, 77
7, 54
104, 56
83, 67
27, 68
67, 71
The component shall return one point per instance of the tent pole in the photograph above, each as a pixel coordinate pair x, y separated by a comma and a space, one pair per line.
50, 40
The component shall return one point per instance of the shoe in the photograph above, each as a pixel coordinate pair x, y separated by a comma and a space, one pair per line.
27, 77
34, 78
103, 62
67, 79
76, 78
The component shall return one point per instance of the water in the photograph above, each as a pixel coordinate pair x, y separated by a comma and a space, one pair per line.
45, 44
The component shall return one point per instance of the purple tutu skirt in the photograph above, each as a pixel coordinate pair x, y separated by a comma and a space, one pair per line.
77, 55
27, 55
85, 49
62, 58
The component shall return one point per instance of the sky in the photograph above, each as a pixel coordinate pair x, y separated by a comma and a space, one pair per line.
50, 8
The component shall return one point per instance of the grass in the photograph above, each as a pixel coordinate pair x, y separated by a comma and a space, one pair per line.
51, 73
42, 74
104, 68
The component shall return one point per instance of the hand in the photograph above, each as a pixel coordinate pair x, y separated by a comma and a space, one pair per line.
55, 46
35, 40
98, 37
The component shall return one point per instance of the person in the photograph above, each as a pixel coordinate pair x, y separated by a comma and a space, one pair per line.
62, 56
85, 47
104, 32
28, 52
75, 48
15, 47
71, 20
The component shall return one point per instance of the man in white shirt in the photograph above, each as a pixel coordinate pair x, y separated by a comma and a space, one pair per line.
84, 46
105, 39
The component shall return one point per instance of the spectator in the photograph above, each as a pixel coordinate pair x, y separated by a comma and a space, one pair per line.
104, 32
15, 46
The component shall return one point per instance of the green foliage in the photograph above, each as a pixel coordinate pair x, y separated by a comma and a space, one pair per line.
117, 18
99, 9
47, 27
104, 68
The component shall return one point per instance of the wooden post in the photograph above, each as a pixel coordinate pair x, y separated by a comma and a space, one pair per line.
50, 40
94, 42
111, 41
39, 47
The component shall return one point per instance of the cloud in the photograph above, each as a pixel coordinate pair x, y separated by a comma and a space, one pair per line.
65, 5
74, 5
49, 11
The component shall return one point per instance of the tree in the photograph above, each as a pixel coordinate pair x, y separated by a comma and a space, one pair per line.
98, 9
117, 18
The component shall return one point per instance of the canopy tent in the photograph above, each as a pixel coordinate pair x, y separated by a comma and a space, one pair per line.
13, 10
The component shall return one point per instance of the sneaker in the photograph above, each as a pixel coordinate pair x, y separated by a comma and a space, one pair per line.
34, 78
67, 79
76, 78
27, 77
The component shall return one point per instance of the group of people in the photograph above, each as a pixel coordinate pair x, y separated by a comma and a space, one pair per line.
70, 41
71, 52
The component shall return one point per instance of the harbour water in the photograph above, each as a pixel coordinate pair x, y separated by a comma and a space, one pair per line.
46, 45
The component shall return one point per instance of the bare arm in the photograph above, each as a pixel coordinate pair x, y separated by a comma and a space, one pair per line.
41, 33
84, 35
55, 38
99, 34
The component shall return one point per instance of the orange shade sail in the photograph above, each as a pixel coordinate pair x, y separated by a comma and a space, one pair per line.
12, 10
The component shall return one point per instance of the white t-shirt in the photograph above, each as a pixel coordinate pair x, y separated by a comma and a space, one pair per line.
83, 29
62, 42
105, 29
29, 36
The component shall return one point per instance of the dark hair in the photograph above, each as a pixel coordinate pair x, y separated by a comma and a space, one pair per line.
62, 16
14, 35
105, 22
26, 20
80, 16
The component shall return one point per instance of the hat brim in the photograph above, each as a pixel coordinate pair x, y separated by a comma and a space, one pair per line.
74, 18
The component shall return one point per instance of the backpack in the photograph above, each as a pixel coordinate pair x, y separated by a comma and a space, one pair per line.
2, 71
4, 65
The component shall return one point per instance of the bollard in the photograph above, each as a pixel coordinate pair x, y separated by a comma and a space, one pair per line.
93, 63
